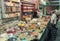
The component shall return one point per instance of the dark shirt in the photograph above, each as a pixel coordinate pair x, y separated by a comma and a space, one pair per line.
35, 15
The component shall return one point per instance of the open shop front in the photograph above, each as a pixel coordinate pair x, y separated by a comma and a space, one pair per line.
26, 29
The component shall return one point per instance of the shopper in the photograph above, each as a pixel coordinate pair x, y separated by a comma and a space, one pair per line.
53, 26
41, 12
35, 14
53, 19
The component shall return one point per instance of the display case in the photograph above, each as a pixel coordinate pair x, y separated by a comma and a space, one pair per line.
11, 10
26, 9
9, 13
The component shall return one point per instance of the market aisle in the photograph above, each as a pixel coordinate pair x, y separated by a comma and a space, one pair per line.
58, 32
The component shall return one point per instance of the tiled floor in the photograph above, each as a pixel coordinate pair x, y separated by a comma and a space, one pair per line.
58, 32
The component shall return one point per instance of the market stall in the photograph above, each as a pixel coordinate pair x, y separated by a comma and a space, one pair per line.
33, 29
27, 29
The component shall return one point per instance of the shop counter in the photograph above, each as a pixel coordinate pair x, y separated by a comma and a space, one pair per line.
42, 36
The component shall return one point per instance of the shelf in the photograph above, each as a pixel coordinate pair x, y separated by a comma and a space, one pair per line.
6, 20
12, 12
27, 6
12, 1
15, 2
25, 2
9, 13
6, 0
10, 17
12, 9
12, 6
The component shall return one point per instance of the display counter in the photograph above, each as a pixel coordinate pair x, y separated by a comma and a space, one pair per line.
44, 36
41, 32
37, 27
